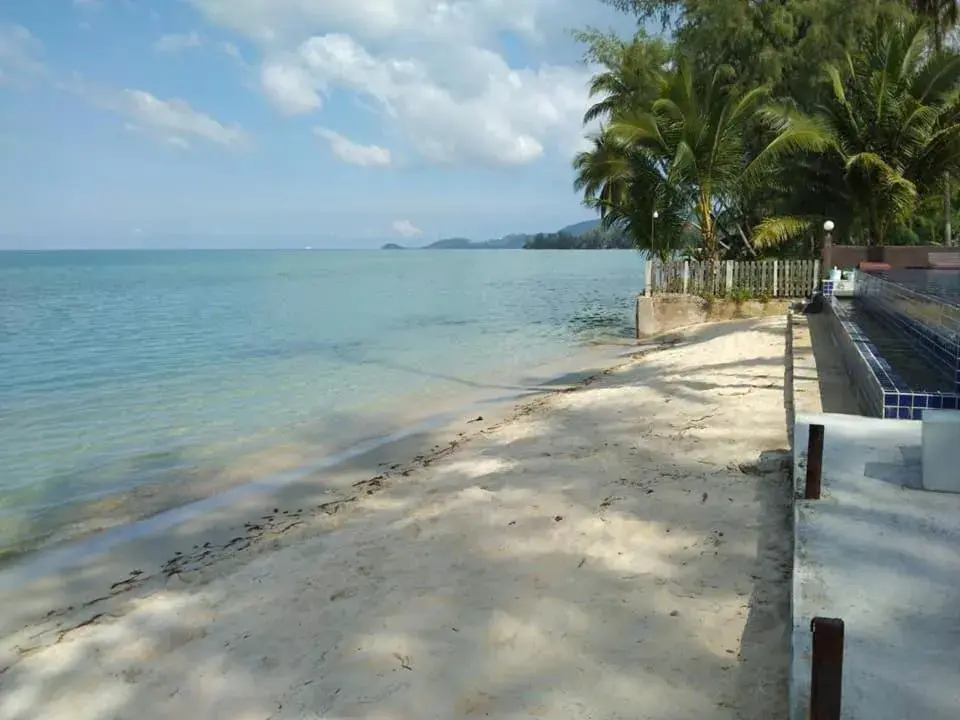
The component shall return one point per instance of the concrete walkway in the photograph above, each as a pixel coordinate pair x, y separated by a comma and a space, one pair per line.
884, 557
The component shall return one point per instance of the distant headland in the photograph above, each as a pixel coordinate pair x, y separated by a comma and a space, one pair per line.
586, 235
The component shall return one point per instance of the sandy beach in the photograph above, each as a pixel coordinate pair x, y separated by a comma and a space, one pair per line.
617, 551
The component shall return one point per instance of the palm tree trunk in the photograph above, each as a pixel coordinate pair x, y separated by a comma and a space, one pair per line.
706, 226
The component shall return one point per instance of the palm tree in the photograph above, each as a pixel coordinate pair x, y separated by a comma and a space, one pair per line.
631, 78
884, 136
631, 194
942, 14
694, 135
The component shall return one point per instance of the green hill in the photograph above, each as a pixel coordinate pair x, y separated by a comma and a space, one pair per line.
583, 235
579, 228
508, 242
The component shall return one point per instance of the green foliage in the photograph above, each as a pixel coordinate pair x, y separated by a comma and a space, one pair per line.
632, 74
662, 167
778, 43
741, 296
884, 134
595, 239
760, 120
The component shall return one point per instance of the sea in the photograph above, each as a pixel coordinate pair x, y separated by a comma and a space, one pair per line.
133, 382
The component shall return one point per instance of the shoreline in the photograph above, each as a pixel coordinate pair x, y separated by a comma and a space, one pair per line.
603, 550
109, 564
286, 462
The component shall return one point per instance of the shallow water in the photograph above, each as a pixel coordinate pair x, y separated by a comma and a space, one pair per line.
134, 381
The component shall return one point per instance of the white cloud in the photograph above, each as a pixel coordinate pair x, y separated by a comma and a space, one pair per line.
433, 71
485, 112
175, 42
19, 54
354, 153
290, 87
406, 228
447, 20
174, 122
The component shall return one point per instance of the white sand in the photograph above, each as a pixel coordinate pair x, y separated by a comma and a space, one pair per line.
618, 552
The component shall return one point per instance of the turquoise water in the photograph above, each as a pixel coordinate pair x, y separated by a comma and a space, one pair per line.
140, 372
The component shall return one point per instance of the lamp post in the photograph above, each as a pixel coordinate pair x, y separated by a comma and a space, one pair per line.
653, 229
826, 258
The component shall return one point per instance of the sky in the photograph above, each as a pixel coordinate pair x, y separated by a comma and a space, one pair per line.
276, 123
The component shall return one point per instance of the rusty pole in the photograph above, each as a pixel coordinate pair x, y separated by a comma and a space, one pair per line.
826, 676
814, 463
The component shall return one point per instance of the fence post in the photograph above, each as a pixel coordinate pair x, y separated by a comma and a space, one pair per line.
814, 463
729, 276
686, 276
816, 275
826, 672
648, 277
774, 293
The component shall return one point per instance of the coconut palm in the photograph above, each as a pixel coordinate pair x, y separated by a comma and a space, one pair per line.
631, 78
694, 134
942, 15
631, 193
886, 133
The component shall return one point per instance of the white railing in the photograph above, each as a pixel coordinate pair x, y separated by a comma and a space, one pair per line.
767, 278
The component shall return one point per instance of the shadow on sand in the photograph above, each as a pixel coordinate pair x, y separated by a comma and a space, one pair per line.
106, 657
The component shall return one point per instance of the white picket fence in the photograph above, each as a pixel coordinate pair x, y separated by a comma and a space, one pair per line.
767, 278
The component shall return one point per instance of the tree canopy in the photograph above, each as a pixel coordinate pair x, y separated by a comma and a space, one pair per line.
758, 120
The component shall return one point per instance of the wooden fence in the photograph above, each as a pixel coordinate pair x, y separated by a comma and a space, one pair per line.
768, 278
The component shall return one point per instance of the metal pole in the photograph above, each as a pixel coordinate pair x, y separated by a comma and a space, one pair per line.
814, 463
826, 675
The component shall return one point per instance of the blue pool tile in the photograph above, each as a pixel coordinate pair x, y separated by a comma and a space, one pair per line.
906, 400
905, 413
949, 402
917, 414
920, 400
936, 401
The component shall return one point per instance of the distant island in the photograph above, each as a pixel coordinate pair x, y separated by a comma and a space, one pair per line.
586, 235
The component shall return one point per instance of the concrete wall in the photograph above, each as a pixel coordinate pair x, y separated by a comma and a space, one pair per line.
663, 313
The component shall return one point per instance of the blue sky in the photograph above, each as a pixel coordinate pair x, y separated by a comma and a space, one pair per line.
339, 123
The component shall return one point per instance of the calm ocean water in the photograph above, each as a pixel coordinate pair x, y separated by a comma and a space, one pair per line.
126, 375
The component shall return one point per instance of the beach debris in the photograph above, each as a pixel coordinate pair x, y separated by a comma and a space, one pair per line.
404, 661
609, 500
372, 485
558, 518
477, 419
704, 498
674, 613
89, 621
